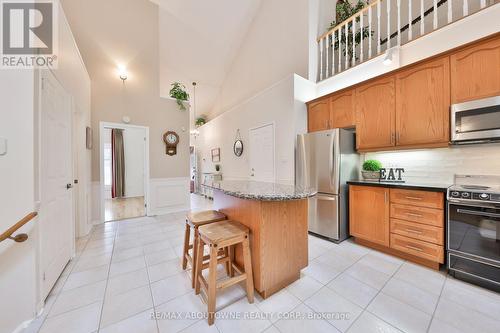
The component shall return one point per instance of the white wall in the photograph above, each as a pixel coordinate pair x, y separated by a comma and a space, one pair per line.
281, 104
440, 165
19, 273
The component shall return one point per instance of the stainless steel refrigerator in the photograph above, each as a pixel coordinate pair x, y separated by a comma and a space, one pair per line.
326, 161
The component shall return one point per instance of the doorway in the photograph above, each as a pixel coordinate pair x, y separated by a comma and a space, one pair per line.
124, 171
261, 152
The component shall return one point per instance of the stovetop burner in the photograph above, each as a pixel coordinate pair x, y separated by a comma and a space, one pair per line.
477, 189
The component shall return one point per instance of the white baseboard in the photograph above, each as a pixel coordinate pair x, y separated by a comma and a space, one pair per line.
169, 195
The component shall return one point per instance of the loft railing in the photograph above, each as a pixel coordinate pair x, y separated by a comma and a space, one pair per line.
383, 24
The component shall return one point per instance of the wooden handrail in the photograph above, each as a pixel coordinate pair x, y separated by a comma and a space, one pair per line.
20, 237
346, 21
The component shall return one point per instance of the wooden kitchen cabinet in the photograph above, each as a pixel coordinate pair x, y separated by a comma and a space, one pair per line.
375, 114
318, 115
342, 110
475, 71
369, 213
423, 104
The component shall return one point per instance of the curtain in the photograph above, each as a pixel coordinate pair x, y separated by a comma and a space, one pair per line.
118, 164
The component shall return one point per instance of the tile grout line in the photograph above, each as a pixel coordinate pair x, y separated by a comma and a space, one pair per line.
150, 289
437, 303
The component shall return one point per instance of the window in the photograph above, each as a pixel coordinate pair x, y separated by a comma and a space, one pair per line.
107, 164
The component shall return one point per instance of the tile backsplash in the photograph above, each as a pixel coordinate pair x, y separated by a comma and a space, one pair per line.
440, 165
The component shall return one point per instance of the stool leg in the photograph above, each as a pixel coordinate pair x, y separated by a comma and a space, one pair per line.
186, 246
247, 260
231, 260
195, 256
198, 267
212, 284
228, 263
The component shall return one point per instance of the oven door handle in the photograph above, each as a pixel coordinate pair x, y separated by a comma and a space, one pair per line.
471, 212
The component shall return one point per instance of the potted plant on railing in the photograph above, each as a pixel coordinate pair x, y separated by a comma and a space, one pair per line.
179, 92
344, 10
371, 170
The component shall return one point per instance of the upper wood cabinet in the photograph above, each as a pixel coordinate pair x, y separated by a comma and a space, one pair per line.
369, 213
318, 115
342, 110
375, 106
423, 104
475, 72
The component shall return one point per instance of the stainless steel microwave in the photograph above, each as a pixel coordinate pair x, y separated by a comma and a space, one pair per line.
476, 121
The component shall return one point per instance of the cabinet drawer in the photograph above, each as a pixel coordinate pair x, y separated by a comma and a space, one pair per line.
417, 231
418, 248
418, 198
430, 216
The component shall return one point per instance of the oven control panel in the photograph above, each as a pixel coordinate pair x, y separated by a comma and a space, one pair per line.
478, 196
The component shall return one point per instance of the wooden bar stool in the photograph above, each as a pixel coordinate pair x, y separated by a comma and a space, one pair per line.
195, 220
222, 235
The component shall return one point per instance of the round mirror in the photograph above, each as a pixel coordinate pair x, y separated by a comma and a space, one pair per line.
238, 148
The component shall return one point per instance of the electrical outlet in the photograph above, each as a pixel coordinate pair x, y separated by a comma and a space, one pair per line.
3, 146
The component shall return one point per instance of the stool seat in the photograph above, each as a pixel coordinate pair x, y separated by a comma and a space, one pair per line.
223, 231
205, 217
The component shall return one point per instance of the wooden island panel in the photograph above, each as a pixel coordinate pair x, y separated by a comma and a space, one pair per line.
278, 238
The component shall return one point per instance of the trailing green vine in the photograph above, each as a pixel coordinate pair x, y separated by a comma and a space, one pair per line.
179, 92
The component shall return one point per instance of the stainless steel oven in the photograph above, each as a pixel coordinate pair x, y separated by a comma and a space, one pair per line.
476, 121
473, 238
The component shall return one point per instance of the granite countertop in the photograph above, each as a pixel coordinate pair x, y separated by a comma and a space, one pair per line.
262, 191
408, 186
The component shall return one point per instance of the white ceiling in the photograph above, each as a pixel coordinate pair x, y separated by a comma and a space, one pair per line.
198, 42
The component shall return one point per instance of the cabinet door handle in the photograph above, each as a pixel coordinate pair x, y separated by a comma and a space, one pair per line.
413, 198
414, 248
413, 231
393, 138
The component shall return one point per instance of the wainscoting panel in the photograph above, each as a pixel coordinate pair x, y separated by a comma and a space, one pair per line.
168, 195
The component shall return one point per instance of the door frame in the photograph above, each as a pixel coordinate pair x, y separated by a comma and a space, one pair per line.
273, 124
102, 126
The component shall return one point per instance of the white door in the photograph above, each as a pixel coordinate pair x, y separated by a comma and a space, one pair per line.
56, 199
262, 154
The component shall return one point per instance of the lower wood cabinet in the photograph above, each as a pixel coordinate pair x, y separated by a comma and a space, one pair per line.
406, 223
369, 213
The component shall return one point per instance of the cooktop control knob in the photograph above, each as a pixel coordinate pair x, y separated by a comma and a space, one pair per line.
465, 195
484, 196
455, 194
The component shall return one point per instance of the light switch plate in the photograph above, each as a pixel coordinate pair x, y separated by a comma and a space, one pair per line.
3, 146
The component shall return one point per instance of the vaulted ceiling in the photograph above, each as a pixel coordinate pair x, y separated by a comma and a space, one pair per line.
198, 42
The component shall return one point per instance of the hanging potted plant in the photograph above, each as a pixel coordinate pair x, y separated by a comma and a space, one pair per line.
179, 92
200, 121
371, 170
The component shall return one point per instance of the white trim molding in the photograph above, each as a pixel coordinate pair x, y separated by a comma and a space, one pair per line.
169, 195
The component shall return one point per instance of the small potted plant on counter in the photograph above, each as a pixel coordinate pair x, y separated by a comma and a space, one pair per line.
371, 170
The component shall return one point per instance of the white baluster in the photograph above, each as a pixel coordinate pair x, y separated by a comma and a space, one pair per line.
422, 18
353, 41
450, 11
410, 26
361, 28
483, 3
398, 3
327, 42
370, 32
321, 59
379, 35
388, 24
339, 34
466, 7
435, 24
333, 53
346, 44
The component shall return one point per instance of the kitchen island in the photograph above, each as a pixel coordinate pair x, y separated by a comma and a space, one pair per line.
277, 216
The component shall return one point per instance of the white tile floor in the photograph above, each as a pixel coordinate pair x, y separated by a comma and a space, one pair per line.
125, 271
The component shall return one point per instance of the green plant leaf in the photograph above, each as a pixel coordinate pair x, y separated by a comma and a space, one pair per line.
372, 165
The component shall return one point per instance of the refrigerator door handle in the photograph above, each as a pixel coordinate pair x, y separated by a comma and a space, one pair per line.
334, 162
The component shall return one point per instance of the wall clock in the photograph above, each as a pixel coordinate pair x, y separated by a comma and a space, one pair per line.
171, 139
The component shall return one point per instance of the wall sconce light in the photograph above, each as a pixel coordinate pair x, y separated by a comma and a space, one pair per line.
122, 71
